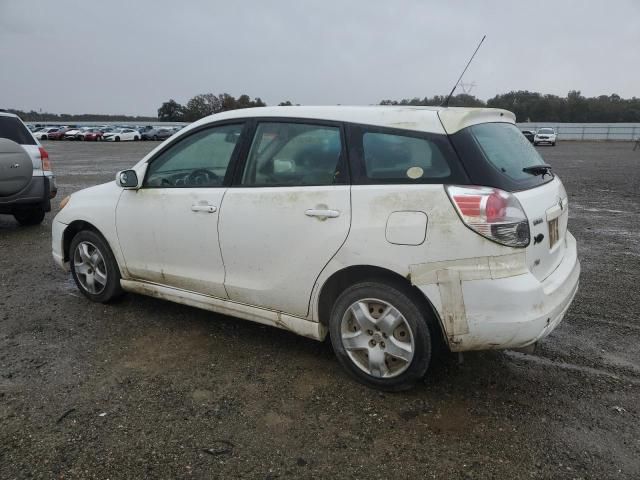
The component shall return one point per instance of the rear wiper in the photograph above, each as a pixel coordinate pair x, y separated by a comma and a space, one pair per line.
542, 169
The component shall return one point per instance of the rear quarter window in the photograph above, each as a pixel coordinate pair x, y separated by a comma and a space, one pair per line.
383, 156
13, 129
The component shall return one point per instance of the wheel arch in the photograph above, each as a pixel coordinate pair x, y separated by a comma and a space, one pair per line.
72, 230
344, 278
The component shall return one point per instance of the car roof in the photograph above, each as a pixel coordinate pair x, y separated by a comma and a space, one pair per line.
424, 119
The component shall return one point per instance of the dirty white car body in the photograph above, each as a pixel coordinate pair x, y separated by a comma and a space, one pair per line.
281, 254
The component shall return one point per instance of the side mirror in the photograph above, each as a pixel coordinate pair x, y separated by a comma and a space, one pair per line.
127, 179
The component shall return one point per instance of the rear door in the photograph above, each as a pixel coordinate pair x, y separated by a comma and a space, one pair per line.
287, 214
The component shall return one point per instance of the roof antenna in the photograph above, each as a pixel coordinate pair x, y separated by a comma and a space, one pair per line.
446, 102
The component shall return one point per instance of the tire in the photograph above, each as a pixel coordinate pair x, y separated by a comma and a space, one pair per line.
368, 338
553, 144
135, 139
117, 139
29, 216
155, 137
94, 268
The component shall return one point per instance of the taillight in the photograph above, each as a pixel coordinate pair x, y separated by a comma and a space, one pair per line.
493, 213
44, 156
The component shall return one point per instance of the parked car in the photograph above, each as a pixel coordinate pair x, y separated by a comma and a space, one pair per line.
121, 135
27, 184
76, 133
529, 135
93, 135
58, 134
148, 133
164, 133
333, 220
545, 135
44, 133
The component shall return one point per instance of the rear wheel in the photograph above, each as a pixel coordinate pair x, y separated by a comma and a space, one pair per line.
94, 268
29, 216
380, 335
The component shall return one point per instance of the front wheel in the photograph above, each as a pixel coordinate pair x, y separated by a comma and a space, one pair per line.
380, 335
29, 216
553, 144
94, 268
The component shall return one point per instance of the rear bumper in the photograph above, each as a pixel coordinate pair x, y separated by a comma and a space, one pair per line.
513, 311
38, 193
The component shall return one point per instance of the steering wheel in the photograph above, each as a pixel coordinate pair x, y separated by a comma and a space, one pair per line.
192, 178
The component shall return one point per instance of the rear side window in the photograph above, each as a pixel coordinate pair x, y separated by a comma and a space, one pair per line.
389, 156
13, 129
494, 155
294, 154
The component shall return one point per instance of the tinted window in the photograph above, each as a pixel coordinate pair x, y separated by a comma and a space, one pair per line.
494, 154
380, 155
13, 129
199, 160
294, 154
398, 157
506, 149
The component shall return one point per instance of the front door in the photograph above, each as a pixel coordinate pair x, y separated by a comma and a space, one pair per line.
168, 229
287, 215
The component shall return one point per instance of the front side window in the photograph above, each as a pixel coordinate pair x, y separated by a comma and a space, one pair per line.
294, 154
199, 160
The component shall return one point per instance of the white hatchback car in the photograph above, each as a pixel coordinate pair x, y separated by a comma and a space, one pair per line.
392, 229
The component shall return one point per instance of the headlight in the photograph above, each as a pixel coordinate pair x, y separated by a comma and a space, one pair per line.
64, 201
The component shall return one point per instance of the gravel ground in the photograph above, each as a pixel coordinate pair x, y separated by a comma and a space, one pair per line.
149, 389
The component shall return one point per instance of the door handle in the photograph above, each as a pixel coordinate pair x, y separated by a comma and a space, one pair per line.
203, 207
322, 214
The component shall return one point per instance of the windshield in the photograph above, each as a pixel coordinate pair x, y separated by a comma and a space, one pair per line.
547, 131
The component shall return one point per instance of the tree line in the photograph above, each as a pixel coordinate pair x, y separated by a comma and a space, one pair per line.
538, 107
207, 104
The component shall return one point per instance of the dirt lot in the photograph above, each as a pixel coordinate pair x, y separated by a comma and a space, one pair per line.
143, 388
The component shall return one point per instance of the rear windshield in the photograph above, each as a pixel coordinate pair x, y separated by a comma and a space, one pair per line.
13, 129
494, 154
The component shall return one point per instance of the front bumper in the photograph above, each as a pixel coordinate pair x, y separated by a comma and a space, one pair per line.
513, 311
57, 244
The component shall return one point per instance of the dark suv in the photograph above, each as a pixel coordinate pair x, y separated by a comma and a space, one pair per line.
27, 184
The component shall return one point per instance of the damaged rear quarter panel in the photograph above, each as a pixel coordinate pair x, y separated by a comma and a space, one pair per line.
448, 243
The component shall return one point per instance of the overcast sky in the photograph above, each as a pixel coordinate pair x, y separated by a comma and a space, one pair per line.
127, 57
